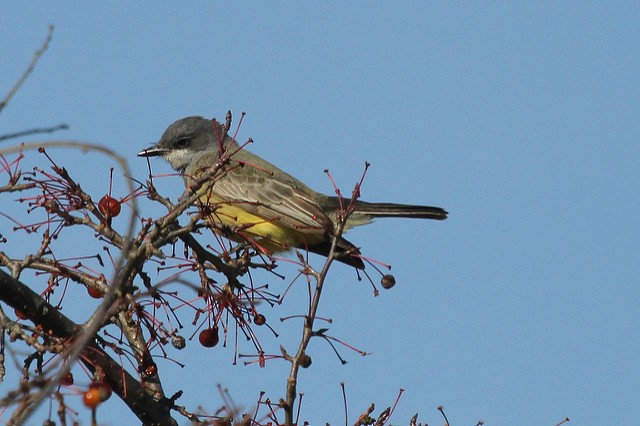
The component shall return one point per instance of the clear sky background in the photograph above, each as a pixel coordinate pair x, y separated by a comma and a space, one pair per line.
521, 119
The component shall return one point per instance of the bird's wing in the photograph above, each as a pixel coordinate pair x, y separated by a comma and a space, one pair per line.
273, 196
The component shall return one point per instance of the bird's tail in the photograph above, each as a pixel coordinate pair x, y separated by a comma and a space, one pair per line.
376, 210
368, 211
364, 213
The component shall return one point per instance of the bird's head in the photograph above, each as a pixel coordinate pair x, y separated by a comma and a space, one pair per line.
185, 140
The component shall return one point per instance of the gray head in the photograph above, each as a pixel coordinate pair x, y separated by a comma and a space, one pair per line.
185, 140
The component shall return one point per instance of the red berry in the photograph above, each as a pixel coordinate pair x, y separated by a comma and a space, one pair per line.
109, 206
94, 292
20, 314
67, 379
150, 370
209, 337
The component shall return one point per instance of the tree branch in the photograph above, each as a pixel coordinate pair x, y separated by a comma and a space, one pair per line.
149, 410
29, 69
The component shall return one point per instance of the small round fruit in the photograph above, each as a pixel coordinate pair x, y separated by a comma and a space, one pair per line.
104, 390
94, 292
178, 342
91, 397
67, 379
20, 314
109, 206
209, 337
150, 370
259, 319
305, 361
388, 281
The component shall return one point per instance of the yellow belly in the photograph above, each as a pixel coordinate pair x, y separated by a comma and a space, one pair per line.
267, 234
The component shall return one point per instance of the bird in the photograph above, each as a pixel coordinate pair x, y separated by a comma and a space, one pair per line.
266, 206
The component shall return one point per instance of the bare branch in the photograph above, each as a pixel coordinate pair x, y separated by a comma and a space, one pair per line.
29, 69
148, 409
34, 132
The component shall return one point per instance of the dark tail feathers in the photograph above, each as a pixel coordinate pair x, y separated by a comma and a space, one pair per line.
374, 210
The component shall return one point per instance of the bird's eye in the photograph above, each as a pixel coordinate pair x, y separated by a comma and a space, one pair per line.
183, 143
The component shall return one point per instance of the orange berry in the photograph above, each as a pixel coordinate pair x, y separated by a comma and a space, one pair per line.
91, 397
109, 206
103, 389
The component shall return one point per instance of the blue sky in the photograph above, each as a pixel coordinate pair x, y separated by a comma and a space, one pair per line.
521, 119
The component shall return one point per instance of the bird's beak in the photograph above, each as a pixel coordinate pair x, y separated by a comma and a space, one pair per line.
153, 152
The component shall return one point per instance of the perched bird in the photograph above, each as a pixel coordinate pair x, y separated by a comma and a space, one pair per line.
267, 206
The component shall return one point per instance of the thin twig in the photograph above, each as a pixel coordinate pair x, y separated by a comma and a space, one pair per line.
35, 131
29, 69
307, 332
